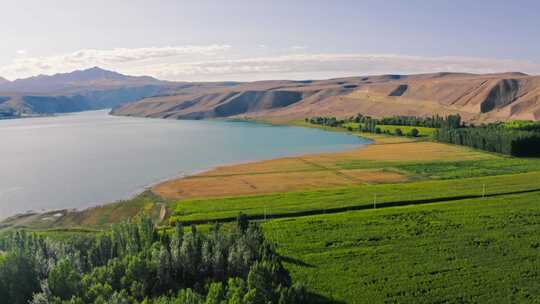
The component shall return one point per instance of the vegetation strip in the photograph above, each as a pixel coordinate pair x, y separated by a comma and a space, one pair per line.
359, 207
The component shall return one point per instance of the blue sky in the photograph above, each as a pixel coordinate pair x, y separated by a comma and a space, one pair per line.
251, 40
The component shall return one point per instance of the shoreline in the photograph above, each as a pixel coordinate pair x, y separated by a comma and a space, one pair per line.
183, 175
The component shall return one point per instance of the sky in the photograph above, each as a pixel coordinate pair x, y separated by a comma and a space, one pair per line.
247, 40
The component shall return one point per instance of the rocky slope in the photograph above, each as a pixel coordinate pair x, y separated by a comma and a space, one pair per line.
487, 97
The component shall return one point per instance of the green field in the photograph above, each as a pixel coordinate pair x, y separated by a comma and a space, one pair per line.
301, 202
472, 251
424, 131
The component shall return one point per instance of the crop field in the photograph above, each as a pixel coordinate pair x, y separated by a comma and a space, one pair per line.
471, 251
343, 198
272, 182
372, 164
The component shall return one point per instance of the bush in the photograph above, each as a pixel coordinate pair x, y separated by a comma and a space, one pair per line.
414, 133
398, 132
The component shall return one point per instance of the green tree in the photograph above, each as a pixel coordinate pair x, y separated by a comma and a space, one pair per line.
216, 294
18, 278
64, 280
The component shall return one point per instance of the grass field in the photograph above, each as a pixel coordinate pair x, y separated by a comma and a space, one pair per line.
423, 131
471, 251
376, 163
324, 200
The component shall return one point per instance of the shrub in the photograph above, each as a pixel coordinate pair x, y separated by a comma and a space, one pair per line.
414, 132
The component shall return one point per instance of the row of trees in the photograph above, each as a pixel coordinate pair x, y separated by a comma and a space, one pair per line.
370, 124
414, 121
523, 125
136, 263
450, 121
493, 138
517, 138
326, 121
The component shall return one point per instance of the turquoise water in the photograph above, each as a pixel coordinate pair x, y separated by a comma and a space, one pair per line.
85, 159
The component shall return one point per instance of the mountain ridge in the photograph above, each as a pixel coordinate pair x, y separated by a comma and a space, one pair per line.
89, 89
92, 77
477, 97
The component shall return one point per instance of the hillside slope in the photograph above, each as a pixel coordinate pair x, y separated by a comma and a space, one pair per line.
89, 89
476, 97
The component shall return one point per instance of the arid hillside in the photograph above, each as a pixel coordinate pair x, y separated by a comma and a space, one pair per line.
487, 97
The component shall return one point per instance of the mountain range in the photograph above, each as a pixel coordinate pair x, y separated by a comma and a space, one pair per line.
477, 97
482, 98
90, 78
82, 90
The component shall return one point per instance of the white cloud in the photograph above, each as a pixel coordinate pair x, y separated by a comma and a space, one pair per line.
24, 66
218, 62
298, 48
22, 52
304, 66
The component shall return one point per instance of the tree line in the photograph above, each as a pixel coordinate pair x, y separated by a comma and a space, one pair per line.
516, 138
133, 262
493, 138
371, 125
435, 121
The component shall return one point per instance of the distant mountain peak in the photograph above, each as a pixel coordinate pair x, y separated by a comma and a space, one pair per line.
96, 68
91, 74
90, 77
3, 80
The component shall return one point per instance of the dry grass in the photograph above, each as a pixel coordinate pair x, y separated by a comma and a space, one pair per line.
249, 184
289, 164
400, 152
314, 171
233, 185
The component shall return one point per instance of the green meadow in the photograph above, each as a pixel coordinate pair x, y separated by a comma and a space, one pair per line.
391, 129
470, 251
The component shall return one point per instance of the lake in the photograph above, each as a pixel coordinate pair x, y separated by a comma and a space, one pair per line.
89, 158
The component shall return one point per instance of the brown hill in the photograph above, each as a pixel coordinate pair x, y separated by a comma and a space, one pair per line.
476, 97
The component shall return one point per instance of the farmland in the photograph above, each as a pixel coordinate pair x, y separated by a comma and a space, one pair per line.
472, 251
374, 164
400, 220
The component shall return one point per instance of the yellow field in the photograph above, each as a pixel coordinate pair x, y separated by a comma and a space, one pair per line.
313, 171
